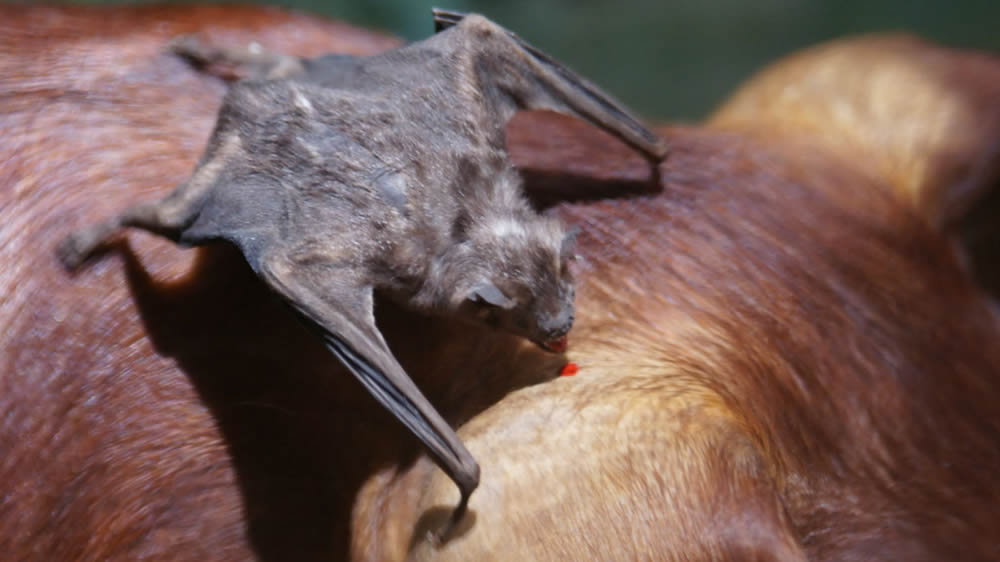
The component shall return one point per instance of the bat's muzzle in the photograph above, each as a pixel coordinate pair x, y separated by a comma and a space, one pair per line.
557, 345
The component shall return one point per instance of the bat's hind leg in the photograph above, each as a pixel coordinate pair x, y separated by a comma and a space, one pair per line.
167, 217
235, 63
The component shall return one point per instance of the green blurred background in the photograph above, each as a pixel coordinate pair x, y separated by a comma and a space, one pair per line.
676, 60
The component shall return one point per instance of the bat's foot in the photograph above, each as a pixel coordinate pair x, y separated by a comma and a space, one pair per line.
74, 250
191, 47
234, 63
205, 57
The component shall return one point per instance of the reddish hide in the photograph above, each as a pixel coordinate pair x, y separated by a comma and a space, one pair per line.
782, 350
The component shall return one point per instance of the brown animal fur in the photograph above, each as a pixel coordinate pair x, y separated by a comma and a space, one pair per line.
781, 355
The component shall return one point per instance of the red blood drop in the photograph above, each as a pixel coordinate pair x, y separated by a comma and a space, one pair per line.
569, 370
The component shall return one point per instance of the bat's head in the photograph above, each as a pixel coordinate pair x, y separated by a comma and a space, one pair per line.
513, 273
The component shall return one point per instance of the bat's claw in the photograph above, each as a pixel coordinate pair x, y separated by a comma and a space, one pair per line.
193, 48
443, 19
230, 64
73, 250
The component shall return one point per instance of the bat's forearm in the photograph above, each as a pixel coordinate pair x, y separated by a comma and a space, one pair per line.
541, 82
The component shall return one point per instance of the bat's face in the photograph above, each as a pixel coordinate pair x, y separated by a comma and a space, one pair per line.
523, 283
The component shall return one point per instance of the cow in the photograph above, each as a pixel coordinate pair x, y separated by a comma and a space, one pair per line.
786, 333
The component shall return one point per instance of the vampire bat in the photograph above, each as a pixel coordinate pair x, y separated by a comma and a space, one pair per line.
340, 175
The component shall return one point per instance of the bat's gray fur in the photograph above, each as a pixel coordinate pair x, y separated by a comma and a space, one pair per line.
339, 175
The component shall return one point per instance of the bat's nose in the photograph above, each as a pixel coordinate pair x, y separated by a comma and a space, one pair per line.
557, 325
555, 330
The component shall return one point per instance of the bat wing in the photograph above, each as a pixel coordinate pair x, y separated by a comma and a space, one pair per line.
342, 313
533, 80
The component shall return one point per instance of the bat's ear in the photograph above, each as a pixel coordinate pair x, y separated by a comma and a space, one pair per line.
568, 247
488, 293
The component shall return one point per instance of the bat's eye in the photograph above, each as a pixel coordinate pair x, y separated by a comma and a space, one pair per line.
488, 314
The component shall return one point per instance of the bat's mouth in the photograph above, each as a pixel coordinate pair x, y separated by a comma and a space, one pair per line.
557, 345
